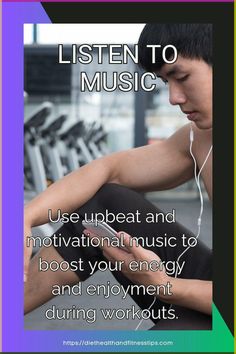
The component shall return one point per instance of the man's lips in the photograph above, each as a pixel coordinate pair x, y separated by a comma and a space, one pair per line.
188, 112
191, 115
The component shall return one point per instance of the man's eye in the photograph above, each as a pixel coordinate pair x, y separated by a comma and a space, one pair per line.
183, 78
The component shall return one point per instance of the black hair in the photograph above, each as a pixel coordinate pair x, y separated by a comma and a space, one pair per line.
192, 41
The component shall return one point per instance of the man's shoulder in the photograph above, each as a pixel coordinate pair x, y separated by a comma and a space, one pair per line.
180, 139
184, 131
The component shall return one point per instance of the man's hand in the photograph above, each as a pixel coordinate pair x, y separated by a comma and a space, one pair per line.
191, 293
136, 253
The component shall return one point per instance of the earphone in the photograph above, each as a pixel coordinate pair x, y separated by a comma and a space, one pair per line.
199, 220
197, 180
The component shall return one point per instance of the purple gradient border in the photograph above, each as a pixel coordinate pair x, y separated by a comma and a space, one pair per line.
15, 338
13, 17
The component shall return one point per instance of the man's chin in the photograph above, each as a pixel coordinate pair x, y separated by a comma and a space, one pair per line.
203, 124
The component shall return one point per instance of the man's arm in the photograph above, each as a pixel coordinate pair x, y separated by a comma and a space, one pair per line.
192, 293
159, 166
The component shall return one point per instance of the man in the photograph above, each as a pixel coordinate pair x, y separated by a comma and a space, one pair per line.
109, 183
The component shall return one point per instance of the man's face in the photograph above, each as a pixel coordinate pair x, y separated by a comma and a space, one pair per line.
190, 87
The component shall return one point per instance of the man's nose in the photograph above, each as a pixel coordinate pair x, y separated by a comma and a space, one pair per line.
176, 95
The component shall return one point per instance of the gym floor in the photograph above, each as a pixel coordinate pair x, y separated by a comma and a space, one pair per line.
187, 211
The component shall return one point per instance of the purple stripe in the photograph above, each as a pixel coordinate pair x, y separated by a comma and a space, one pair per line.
14, 15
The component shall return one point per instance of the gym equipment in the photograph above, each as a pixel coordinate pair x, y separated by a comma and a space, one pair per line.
50, 150
34, 167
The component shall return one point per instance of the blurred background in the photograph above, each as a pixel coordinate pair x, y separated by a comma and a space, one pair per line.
66, 128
